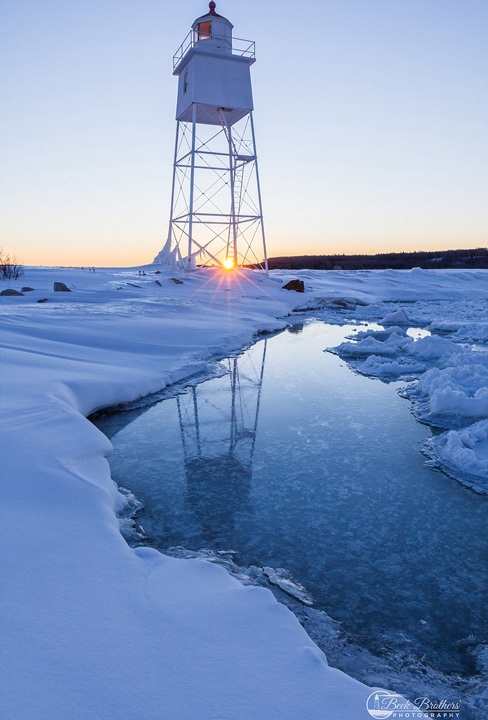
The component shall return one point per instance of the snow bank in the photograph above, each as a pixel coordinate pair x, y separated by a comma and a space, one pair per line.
387, 286
91, 628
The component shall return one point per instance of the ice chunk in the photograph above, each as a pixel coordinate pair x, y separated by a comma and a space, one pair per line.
371, 346
379, 334
384, 367
397, 317
432, 347
449, 397
286, 582
475, 332
463, 454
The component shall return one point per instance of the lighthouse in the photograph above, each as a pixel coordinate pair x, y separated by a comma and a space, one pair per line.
216, 215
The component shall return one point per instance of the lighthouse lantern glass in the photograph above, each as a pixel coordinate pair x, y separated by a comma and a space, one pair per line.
204, 30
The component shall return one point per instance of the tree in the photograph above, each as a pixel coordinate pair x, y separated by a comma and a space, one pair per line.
10, 267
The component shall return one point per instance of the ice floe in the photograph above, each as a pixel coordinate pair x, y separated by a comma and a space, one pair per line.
463, 454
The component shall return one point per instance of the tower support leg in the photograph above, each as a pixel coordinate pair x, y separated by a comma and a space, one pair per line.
232, 172
173, 184
259, 193
192, 182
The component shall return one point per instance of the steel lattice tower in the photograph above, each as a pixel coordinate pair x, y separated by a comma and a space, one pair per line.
216, 213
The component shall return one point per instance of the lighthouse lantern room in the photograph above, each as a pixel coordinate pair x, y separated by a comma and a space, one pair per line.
216, 213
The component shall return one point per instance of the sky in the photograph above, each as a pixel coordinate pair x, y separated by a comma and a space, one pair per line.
371, 121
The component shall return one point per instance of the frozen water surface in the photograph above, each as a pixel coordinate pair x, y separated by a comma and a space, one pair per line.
293, 461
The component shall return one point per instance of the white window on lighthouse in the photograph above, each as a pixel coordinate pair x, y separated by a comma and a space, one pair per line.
205, 30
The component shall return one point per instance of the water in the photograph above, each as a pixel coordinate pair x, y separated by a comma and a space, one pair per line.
293, 461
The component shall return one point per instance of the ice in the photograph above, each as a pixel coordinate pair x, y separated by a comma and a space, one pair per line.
286, 582
452, 386
454, 395
463, 454
466, 331
397, 317
381, 334
432, 348
383, 367
369, 345
385, 343
127, 508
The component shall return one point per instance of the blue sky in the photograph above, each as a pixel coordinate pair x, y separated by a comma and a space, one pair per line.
371, 120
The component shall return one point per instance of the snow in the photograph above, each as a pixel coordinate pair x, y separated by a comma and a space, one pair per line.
92, 628
463, 454
397, 317
384, 367
369, 345
391, 352
453, 395
474, 331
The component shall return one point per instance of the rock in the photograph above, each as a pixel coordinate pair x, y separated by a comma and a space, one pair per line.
176, 281
9, 291
296, 285
61, 287
158, 283
43, 300
27, 289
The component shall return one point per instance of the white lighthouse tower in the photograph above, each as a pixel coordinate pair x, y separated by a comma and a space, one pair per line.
216, 213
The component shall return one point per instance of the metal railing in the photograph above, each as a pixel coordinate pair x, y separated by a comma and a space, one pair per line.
239, 46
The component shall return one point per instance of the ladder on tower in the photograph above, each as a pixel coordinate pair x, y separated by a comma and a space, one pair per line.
236, 185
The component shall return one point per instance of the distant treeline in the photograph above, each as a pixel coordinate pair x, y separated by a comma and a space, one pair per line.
477, 258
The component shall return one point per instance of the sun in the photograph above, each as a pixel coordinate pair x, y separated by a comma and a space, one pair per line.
228, 264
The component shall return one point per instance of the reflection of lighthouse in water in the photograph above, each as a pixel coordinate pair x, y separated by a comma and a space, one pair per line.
218, 433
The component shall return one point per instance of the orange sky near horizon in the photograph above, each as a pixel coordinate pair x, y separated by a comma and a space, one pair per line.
130, 256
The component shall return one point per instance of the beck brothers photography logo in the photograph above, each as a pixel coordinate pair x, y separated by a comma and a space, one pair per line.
382, 704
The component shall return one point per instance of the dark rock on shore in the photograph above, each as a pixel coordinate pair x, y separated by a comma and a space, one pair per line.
9, 291
61, 287
297, 285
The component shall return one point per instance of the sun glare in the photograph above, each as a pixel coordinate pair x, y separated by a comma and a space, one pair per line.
228, 264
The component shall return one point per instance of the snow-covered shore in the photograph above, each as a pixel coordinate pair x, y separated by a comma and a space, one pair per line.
93, 628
